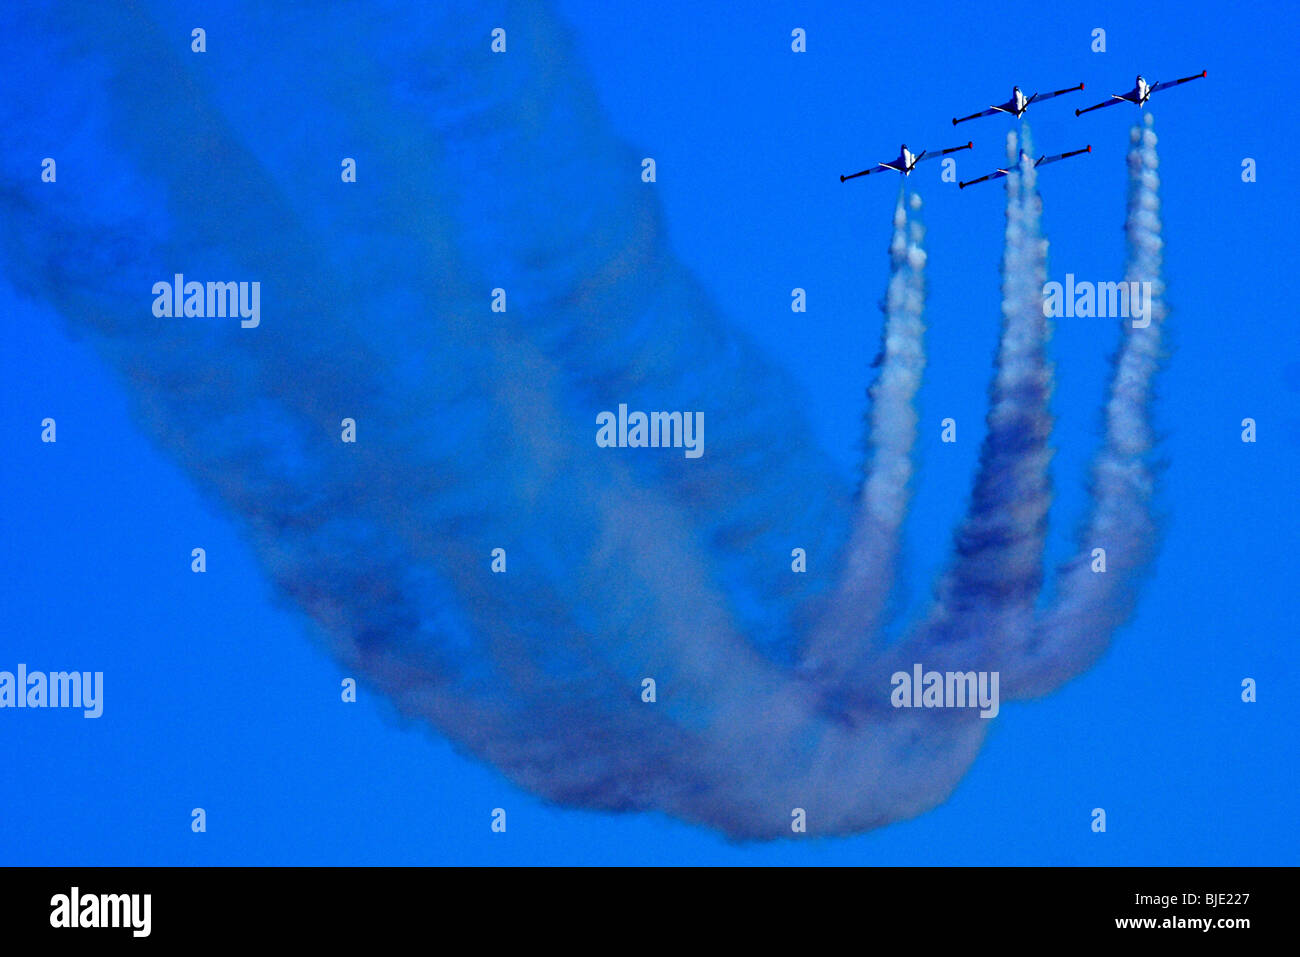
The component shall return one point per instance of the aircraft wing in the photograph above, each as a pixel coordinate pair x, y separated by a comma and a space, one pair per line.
1044, 160
928, 155
1166, 85
1039, 97
879, 167
975, 116
1115, 98
996, 175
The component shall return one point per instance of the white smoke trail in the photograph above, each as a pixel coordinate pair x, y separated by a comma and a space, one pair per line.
477, 431
844, 638
990, 590
1090, 605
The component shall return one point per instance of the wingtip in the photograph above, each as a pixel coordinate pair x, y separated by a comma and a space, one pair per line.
1089, 147
1204, 73
841, 179
962, 185
1081, 86
970, 144
1077, 112
954, 121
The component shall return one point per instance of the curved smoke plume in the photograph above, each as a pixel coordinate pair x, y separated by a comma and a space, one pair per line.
837, 649
1088, 606
475, 428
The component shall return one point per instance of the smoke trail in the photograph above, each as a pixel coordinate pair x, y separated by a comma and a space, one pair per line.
475, 429
465, 178
989, 592
842, 641
1090, 605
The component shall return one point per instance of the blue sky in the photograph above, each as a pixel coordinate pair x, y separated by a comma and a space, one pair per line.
749, 140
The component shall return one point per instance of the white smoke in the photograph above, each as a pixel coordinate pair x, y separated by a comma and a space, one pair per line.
990, 589
843, 639
1090, 605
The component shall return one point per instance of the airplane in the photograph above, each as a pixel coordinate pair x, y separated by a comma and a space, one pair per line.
1041, 161
1017, 105
906, 161
1140, 93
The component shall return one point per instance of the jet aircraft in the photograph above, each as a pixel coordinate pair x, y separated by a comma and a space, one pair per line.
1140, 93
1041, 161
906, 161
1017, 105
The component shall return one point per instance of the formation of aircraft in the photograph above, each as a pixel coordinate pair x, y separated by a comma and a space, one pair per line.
1041, 161
906, 161
1016, 106
1140, 93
